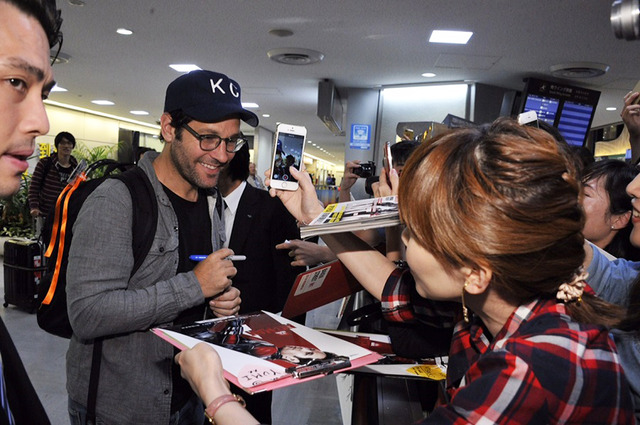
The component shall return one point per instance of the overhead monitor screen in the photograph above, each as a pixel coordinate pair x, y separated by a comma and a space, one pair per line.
545, 107
568, 108
574, 122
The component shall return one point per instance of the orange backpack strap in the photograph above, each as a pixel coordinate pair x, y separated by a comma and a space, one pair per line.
62, 223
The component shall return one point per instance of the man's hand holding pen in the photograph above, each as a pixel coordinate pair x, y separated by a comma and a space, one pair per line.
214, 274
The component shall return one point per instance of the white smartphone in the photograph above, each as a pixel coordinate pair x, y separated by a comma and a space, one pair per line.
528, 118
287, 150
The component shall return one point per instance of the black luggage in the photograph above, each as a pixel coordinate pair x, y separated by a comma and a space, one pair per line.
22, 272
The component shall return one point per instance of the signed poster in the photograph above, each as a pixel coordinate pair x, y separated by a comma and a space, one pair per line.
263, 351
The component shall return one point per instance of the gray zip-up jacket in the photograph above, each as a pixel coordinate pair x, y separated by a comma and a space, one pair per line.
135, 376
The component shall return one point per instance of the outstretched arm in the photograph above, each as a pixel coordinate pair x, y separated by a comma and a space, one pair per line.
202, 368
368, 266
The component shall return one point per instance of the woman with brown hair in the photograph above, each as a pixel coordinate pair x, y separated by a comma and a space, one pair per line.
494, 242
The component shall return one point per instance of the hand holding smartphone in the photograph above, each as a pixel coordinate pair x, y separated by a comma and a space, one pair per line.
387, 161
288, 148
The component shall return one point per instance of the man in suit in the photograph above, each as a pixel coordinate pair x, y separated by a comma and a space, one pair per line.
255, 223
28, 29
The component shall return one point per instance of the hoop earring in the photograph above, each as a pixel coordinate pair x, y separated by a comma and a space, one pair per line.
465, 310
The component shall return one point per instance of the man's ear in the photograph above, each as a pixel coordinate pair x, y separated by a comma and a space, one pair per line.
168, 131
477, 279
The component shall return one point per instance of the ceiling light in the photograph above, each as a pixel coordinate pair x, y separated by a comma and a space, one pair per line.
266, 115
102, 102
579, 69
281, 32
429, 75
450, 37
76, 2
184, 67
138, 112
250, 105
124, 31
612, 108
295, 56
57, 88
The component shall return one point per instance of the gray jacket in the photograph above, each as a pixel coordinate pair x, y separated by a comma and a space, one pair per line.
135, 376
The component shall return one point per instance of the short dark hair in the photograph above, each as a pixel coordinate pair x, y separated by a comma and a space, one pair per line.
46, 13
66, 136
178, 119
400, 151
238, 168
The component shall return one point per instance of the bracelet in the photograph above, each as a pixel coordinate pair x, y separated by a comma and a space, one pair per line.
216, 404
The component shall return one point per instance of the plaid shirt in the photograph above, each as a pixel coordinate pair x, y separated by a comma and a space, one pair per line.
540, 368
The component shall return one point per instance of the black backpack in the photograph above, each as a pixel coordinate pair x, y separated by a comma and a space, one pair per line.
52, 314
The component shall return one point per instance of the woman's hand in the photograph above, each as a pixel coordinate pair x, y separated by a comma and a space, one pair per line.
302, 203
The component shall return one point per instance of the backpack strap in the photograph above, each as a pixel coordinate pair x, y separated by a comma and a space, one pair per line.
145, 213
60, 218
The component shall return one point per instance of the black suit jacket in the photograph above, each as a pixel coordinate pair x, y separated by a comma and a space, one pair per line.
23, 400
266, 276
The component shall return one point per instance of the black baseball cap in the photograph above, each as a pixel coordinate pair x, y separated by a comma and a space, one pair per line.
207, 96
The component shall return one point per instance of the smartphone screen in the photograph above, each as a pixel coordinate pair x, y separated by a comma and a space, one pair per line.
288, 149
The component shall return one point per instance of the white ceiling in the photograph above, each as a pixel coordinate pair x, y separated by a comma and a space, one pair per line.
366, 43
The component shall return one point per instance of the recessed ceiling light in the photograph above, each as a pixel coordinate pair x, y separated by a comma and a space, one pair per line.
612, 108
266, 115
138, 112
184, 67
295, 56
58, 88
76, 2
124, 31
102, 102
250, 105
429, 75
281, 32
579, 69
450, 37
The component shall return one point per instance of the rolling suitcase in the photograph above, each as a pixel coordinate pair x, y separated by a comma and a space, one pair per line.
23, 270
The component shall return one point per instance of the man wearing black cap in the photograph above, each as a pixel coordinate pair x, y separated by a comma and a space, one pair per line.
139, 382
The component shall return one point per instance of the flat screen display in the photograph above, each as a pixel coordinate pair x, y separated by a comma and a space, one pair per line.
568, 108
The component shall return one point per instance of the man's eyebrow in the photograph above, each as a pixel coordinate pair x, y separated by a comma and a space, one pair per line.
21, 64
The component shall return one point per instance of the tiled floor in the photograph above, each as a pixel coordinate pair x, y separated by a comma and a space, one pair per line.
43, 354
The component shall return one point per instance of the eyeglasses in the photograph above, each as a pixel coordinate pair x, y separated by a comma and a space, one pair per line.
210, 142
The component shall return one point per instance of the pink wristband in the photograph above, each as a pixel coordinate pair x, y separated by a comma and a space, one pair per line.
216, 404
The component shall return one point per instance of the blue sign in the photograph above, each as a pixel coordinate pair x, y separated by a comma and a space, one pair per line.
360, 136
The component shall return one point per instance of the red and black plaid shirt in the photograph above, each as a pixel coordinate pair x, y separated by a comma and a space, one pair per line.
541, 368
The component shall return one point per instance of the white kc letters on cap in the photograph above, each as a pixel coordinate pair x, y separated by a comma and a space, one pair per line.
232, 88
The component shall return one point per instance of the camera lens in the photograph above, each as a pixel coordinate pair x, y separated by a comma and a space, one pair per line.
625, 19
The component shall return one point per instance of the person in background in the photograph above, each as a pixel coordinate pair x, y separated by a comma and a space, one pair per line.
607, 207
138, 383
50, 177
517, 277
142, 151
254, 179
28, 30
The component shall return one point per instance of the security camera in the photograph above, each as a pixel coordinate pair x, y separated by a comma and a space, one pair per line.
625, 19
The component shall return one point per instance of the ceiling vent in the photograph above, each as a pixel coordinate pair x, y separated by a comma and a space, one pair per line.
62, 58
579, 70
295, 56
